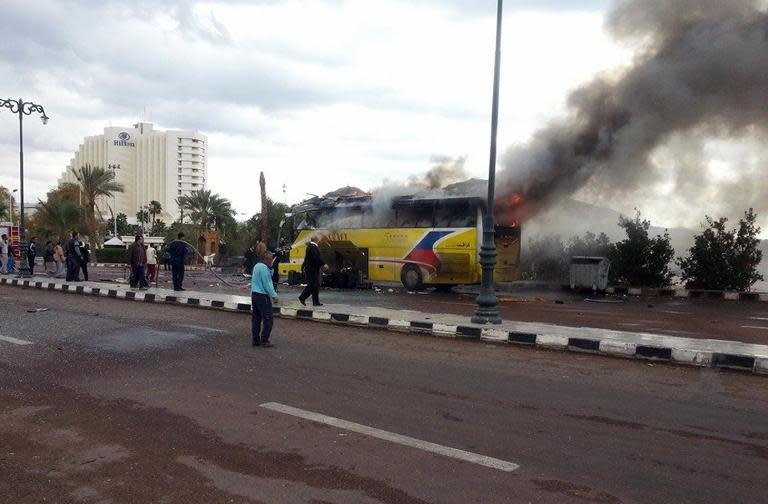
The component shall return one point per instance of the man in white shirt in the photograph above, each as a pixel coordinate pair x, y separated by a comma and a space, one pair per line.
3, 254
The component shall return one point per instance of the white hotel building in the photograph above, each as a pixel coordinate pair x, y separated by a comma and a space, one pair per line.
150, 164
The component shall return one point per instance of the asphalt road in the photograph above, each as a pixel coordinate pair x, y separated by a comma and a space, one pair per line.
123, 402
727, 320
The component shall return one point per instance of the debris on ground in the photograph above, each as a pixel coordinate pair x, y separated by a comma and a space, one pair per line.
559, 301
607, 301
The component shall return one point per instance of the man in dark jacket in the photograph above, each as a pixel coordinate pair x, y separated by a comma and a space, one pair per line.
73, 258
313, 264
85, 253
137, 258
31, 255
177, 252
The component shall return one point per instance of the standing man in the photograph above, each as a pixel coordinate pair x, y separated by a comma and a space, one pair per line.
262, 296
137, 258
32, 254
151, 263
85, 253
3, 254
74, 258
48, 261
177, 252
313, 264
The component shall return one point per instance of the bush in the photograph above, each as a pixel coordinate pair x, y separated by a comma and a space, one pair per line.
724, 258
641, 260
111, 255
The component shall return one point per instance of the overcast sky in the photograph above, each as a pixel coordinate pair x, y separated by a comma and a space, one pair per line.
316, 93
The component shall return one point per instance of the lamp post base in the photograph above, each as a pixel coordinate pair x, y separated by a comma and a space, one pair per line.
23, 263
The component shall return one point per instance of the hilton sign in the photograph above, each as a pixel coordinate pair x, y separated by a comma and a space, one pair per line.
123, 140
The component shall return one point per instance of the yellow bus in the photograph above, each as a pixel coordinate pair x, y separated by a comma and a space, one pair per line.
416, 241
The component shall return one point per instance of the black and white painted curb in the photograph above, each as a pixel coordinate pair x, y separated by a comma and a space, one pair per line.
752, 362
689, 294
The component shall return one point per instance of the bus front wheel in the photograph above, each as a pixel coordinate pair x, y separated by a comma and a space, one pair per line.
411, 277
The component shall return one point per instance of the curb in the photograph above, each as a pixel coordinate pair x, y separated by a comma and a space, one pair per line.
756, 364
689, 293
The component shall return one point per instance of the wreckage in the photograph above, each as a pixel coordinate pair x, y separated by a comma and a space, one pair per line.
429, 238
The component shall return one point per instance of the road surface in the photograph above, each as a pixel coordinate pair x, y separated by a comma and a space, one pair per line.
107, 401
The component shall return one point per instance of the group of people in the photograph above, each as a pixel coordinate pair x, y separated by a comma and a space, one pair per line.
59, 261
143, 260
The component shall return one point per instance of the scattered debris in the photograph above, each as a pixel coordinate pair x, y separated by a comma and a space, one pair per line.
607, 301
559, 301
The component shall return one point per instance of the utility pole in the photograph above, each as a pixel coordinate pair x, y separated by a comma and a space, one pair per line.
264, 209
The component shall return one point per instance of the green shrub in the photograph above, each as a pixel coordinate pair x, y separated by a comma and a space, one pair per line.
111, 255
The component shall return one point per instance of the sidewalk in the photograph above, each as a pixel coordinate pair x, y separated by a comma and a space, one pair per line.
638, 345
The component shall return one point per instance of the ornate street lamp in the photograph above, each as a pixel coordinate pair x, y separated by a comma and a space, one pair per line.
23, 108
487, 311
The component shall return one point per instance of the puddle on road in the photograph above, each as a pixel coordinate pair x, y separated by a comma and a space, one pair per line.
138, 339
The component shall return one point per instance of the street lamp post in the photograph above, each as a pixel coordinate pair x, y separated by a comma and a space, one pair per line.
487, 311
114, 167
23, 108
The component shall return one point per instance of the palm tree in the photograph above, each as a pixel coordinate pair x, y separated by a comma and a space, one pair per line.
154, 208
57, 218
95, 182
207, 210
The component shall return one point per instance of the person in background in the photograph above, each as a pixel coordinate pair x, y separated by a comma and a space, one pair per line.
74, 259
3, 254
313, 264
11, 259
177, 252
58, 257
262, 296
278, 258
137, 259
85, 254
48, 262
151, 263
249, 260
32, 255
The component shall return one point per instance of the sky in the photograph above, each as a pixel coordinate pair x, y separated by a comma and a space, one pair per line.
318, 94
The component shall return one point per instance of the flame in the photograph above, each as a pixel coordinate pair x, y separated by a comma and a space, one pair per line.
509, 210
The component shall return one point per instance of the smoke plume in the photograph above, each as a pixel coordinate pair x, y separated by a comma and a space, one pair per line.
702, 72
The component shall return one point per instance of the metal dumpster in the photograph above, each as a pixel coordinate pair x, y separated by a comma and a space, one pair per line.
589, 272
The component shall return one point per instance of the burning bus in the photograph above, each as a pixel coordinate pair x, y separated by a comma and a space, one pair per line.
430, 239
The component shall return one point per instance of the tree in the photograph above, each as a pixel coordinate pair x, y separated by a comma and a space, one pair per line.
207, 210
256, 225
123, 228
264, 209
142, 217
158, 228
723, 258
590, 245
56, 218
95, 182
641, 260
154, 208
5, 197
544, 259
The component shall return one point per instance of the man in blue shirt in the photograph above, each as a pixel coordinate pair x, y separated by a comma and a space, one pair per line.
262, 295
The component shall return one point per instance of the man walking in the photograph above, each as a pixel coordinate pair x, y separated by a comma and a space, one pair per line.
74, 258
262, 296
177, 252
32, 254
3, 254
313, 263
137, 258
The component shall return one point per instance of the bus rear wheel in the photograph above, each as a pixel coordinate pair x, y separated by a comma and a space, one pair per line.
411, 277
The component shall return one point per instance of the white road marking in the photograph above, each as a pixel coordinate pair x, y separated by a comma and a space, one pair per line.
758, 318
754, 327
445, 451
15, 341
201, 328
675, 312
